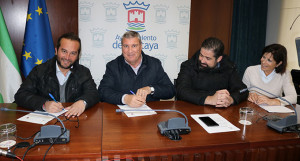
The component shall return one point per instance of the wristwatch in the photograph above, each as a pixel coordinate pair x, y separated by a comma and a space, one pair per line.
152, 90
84, 103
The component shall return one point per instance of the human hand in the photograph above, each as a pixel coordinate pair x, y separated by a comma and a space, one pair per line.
76, 109
134, 100
216, 99
53, 107
143, 92
253, 97
223, 98
266, 100
211, 100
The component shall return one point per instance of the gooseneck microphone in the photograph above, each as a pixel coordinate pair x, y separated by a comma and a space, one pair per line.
48, 133
7, 154
284, 125
171, 128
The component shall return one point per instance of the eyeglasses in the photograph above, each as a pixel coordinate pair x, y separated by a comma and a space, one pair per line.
71, 119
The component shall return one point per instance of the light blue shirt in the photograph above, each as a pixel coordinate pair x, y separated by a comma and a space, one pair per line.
265, 78
60, 76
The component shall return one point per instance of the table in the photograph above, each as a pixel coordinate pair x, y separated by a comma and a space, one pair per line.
85, 141
104, 134
139, 138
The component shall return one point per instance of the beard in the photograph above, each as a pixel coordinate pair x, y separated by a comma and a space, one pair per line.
68, 67
204, 67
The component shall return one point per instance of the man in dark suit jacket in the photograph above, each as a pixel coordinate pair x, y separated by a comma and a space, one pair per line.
134, 78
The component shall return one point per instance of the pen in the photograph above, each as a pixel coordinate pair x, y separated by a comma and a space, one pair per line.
132, 92
52, 97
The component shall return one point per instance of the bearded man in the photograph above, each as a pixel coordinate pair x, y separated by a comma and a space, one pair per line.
60, 79
209, 78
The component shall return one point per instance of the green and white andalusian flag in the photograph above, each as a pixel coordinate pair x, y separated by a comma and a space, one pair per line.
10, 78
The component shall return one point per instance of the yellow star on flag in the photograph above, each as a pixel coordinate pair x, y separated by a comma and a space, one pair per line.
38, 62
27, 55
39, 10
28, 17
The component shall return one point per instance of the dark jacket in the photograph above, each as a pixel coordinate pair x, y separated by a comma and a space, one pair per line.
42, 80
195, 84
119, 79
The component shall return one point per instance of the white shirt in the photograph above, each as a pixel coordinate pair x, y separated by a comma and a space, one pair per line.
136, 69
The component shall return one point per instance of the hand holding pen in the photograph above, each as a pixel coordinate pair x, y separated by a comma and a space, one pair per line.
53, 106
134, 100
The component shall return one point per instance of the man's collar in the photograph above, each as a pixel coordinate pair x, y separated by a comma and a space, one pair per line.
58, 70
139, 63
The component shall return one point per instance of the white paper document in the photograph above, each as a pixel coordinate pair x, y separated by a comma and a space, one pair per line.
276, 109
137, 113
39, 118
224, 125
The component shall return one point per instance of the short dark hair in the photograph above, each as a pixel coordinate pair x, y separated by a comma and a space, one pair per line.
131, 34
214, 44
279, 53
70, 36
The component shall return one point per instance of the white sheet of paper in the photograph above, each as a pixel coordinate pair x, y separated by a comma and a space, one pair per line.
137, 113
276, 109
224, 125
39, 118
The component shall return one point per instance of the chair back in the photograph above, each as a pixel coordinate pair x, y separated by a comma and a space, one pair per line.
296, 80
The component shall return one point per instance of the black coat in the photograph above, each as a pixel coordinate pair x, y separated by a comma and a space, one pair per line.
194, 84
119, 79
42, 80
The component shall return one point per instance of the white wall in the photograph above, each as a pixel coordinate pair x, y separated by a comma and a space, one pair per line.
103, 22
281, 15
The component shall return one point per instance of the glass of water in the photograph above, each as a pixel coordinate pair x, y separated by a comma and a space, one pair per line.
7, 135
246, 115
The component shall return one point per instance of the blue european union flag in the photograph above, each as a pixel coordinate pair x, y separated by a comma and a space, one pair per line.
38, 43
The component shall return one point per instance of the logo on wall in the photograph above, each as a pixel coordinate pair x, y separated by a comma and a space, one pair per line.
111, 11
86, 60
161, 13
184, 15
85, 11
98, 37
136, 16
172, 38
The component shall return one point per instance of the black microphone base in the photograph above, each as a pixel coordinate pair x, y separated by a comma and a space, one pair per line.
173, 128
49, 133
284, 125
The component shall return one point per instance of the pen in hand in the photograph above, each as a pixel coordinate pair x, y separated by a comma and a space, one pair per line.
52, 97
132, 92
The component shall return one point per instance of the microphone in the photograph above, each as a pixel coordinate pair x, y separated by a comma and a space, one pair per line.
285, 124
48, 133
7, 154
171, 128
